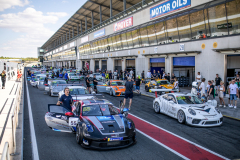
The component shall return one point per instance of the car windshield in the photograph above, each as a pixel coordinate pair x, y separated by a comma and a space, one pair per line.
54, 83
188, 100
163, 82
72, 74
77, 91
118, 83
99, 110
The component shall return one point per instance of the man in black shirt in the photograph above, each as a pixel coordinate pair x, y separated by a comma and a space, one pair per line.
217, 82
138, 82
172, 78
95, 83
154, 75
128, 92
110, 74
66, 100
29, 73
143, 76
159, 75
167, 77
88, 82
46, 79
211, 91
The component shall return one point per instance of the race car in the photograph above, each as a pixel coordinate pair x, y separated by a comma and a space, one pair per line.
113, 87
97, 124
73, 76
159, 84
35, 81
189, 109
98, 76
53, 87
78, 93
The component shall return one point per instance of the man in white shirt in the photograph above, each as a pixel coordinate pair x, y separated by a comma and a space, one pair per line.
163, 75
202, 87
149, 74
199, 79
233, 90
131, 73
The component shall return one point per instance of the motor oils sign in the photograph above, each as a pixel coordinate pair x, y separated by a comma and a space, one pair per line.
168, 7
123, 24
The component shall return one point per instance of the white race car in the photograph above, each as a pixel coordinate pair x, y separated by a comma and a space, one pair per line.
189, 109
73, 77
78, 93
37, 78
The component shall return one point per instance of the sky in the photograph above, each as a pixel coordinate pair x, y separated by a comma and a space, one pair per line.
26, 25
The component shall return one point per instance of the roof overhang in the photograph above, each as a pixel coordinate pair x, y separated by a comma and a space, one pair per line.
228, 50
95, 58
180, 53
121, 57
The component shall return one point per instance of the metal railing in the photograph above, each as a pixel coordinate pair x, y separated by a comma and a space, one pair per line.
14, 121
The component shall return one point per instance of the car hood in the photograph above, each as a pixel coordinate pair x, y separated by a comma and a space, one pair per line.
168, 86
82, 97
119, 88
204, 109
107, 124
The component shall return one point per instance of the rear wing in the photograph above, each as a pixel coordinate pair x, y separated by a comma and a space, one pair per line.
163, 90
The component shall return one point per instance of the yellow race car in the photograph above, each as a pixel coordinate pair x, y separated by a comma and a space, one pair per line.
158, 84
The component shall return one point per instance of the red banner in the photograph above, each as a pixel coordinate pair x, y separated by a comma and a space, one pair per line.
123, 24
87, 65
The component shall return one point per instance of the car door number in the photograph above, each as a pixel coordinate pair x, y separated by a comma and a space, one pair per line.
73, 121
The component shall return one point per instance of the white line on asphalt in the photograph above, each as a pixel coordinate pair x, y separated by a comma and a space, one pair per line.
163, 145
32, 130
180, 138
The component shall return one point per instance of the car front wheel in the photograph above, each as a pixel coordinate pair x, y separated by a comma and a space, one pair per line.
156, 107
181, 117
78, 135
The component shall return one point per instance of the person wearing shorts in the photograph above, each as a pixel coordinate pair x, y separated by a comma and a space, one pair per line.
221, 90
138, 83
233, 90
128, 92
95, 83
88, 83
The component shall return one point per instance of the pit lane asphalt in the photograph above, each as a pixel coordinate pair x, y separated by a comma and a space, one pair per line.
224, 140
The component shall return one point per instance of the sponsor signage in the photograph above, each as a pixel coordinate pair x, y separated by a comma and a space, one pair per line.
181, 47
84, 39
123, 24
168, 7
99, 33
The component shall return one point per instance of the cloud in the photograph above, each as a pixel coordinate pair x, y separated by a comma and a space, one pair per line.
58, 14
31, 23
5, 4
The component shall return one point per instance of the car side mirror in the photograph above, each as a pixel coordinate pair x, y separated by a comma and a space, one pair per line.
69, 114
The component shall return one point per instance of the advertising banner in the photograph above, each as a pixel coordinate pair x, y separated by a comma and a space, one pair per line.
84, 39
99, 33
123, 24
87, 65
168, 7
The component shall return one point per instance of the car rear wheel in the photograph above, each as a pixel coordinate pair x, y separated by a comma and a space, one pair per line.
181, 117
156, 107
49, 93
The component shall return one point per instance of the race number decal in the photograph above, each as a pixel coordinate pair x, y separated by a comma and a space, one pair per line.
73, 121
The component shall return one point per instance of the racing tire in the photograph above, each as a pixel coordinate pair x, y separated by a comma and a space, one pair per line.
111, 92
49, 93
79, 137
156, 107
181, 117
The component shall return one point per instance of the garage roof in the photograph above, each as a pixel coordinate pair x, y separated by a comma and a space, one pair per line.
94, 6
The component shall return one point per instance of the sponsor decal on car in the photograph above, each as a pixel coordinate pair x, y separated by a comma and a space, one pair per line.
115, 139
58, 116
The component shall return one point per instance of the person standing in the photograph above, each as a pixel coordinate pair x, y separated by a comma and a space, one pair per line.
95, 83
131, 73
149, 75
115, 75
128, 92
233, 91
221, 90
110, 74
29, 73
60, 75
198, 78
3, 78
154, 75
211, 91
138, 82
203, 88
66, 100
173, 78
167, 77
88, 82
163, 76
66, 76
238, 84
46, 79
159, 75
143, 76
103, 75
217, 81
175, 83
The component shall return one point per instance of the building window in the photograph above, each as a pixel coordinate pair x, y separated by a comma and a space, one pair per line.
124, 41
198, 25
233, 12
151, 35
105, 45
217, 20
135, 37
99, 47
118, 41
129, 39
160, 32
172, 30
144, 37
110, 44
184, 28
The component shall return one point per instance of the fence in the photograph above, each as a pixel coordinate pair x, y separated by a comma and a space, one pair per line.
10, 145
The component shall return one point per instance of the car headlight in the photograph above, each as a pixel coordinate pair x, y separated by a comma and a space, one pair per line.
129, 124
218, 110
191, 111
87, 128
